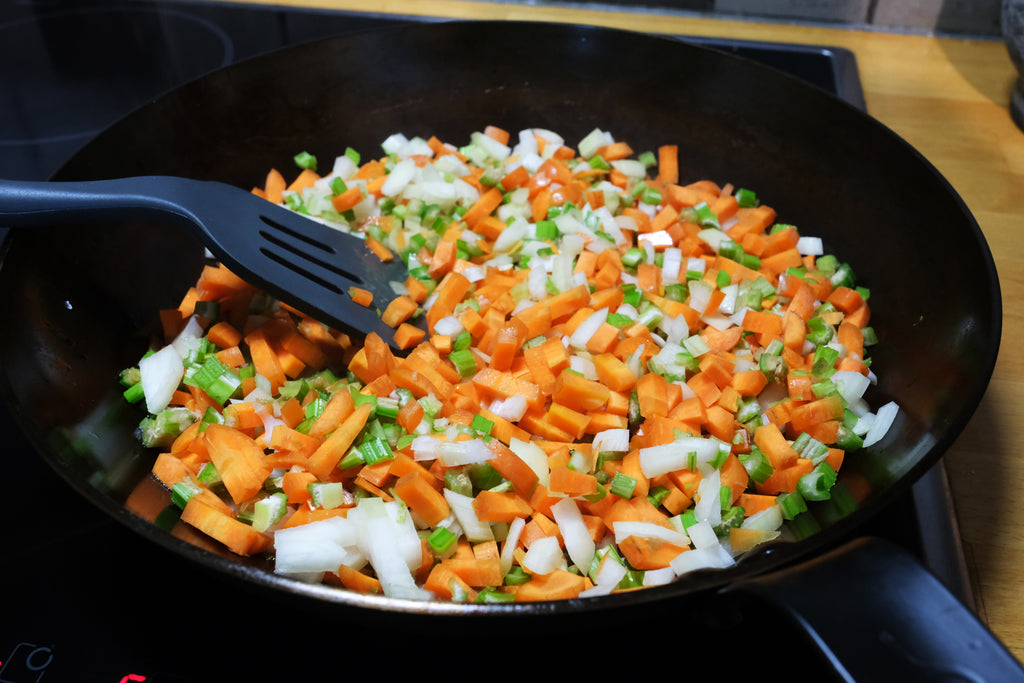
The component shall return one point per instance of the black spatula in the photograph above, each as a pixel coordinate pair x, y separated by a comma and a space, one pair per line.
296, 259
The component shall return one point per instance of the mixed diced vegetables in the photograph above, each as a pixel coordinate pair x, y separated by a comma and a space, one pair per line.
623, 376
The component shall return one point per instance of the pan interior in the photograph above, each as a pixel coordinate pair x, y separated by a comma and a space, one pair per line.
85, 298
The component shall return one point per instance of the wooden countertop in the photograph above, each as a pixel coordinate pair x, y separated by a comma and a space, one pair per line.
948, 98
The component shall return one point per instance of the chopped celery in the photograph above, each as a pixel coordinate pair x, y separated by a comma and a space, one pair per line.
327, 495
441, 540
622, 485
305, 160
269, 511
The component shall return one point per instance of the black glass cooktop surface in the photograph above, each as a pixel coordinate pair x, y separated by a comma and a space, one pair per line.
86, 600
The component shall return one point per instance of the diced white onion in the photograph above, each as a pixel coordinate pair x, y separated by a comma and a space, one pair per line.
388, 538
575, 534
713, 237
515, 530
665, 458
495, 150
587, 328
659, 577
583, 365
768, 519
609, 575
534, 457
449, 325
672, 262
462, 507
884, 418
702, 534
512, 408
709, 557
709, 503
543, 556
426, 447
455, 453
611, 441
320, 546
593, 141
511, 235
400, 175
810, 246
160, 374
648, 530
188, 339
850, 384
700, 295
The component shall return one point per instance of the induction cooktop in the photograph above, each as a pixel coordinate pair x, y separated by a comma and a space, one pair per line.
85, 600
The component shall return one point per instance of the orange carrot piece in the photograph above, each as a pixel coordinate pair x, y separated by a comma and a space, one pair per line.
238, 459
645, 554
306, 178
400, 310
417, 491
496, 133
238, 537
668, 163
327, 456
488, 202
579, 393
363, 297
513, 468
348, 199
500, 506
274, 186
572, 482
770, 439
379, 250
558, 585
358, 581
296, 486
224, 335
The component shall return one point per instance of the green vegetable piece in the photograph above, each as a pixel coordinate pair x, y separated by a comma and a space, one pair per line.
305, 161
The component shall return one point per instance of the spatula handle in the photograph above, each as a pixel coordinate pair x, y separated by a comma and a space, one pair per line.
25, 203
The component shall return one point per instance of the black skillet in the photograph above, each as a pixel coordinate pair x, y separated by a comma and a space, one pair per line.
85, 300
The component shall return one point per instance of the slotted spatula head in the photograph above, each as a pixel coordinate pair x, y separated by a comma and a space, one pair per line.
301, 261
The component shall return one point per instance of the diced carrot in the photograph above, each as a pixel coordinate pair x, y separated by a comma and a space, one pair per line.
400, 310
363, 297
558, 585
784, 479
306, 178
513, 468
265, 359
238, 537
647, 554
749, 382
770, 439
333, 449
348, 199
572, 482
238, 459
615, 151
443, 582
579, 393
504, 506
296, 486
285, 438
274, 186
358, 581
668, 163
417, 491
488, 202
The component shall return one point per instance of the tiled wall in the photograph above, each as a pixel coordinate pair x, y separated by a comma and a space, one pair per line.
957, 17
